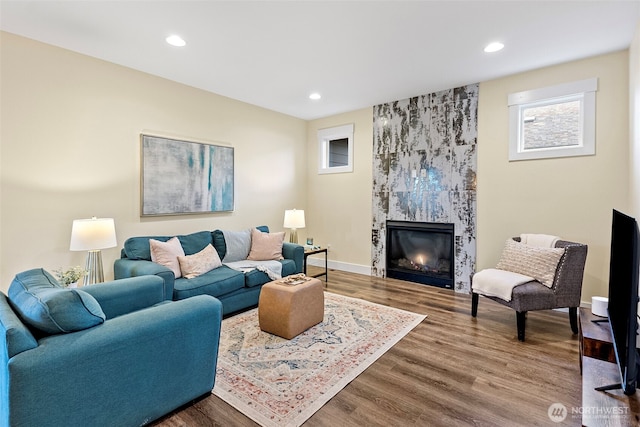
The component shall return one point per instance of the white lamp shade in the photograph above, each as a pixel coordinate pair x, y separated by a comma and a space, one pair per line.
293, 218
93, 234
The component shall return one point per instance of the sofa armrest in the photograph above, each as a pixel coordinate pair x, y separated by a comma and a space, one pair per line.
124, 268
295, 252
145, 364
15, 337
124, 296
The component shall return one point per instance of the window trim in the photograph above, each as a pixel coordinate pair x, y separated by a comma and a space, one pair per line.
327, 135
585, 90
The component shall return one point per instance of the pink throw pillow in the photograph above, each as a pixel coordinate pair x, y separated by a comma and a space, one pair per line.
167, 253
266, 246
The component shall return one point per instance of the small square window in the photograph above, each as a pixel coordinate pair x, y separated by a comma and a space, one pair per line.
338, 152
557, 121
335, 149
553, 124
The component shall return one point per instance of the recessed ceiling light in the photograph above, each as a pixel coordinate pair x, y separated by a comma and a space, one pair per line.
175, 40
493, 47
315, 96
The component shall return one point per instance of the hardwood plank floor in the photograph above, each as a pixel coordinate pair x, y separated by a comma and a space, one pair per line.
451, 370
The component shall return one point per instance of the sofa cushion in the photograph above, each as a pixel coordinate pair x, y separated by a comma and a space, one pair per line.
195, 242
138, 247
238, 244
266, 246
42, 304
167, 253
216, 282
199, 263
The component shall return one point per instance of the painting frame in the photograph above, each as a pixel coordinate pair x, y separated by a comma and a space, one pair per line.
182, 177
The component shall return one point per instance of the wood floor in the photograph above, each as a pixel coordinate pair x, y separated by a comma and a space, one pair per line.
451, 370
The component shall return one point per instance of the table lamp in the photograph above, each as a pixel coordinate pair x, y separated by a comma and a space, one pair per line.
293, 219
92, 235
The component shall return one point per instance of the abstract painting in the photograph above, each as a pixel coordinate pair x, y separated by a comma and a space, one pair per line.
183, 177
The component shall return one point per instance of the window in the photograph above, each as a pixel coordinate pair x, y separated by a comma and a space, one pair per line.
338, 152
335, 149
556, 121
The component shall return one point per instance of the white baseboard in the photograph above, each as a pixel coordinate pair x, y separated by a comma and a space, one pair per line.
342, 266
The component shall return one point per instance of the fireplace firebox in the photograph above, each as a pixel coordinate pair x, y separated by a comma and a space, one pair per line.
421, 252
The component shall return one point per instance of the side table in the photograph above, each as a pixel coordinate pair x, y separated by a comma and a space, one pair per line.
309, 252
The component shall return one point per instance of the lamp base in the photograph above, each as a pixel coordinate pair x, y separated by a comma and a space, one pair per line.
293, 236
93, 266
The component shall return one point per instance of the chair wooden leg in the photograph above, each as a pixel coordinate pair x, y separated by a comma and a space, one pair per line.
573, 318
474, 304
521, 318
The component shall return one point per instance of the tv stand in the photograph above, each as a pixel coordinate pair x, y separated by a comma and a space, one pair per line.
616, 386
609, 407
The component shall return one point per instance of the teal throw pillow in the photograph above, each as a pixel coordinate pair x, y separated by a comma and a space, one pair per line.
42, 304
219, 243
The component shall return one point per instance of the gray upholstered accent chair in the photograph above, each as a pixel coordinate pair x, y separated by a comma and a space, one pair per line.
565, 291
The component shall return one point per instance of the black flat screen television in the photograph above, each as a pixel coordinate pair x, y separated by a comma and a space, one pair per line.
623, 299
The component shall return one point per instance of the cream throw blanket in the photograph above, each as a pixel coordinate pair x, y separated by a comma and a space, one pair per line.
498, 283
272, 268
539, 240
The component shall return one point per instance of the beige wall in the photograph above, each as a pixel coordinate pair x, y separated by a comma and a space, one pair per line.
634, 125
569, 197
70, 149
339, 205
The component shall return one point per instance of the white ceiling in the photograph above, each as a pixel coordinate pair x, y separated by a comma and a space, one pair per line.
355, 53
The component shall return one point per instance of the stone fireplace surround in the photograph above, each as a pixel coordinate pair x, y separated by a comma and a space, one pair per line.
424, 169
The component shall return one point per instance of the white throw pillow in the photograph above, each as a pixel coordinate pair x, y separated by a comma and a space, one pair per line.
539, 263
199, 263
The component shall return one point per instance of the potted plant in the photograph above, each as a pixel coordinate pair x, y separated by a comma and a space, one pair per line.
71, 276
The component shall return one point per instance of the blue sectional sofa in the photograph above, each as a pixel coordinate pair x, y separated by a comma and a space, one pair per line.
235, 289
111, 354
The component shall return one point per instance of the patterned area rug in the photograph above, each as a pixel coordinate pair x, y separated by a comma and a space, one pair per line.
277, 382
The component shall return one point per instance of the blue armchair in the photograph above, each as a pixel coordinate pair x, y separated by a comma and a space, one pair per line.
115, 353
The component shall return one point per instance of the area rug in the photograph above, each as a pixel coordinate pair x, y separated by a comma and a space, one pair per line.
279, 382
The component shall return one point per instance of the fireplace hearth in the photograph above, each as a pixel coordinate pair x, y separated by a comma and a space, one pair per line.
421, 252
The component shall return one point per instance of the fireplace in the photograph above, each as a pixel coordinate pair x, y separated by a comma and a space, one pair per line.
421, 252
